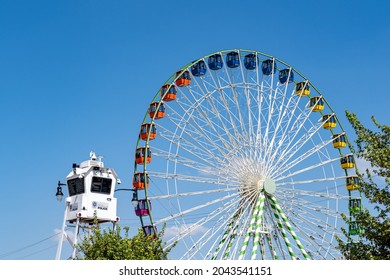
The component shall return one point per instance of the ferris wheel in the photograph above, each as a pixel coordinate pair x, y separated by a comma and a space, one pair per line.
239, 156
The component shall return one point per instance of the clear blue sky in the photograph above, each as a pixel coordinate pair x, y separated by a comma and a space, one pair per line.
78, 75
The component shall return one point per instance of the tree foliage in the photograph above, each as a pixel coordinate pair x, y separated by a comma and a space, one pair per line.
103, 244
374, 239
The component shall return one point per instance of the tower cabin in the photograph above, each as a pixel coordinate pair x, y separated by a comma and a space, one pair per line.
91, 189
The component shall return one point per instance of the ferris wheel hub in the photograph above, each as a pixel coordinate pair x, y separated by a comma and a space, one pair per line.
269, 186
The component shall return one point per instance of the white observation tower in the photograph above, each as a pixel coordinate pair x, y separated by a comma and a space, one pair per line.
91, 189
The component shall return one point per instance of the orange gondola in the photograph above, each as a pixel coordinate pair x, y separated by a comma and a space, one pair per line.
157, 110
183, 79
140, 181
145, 129
168, 92
142, 155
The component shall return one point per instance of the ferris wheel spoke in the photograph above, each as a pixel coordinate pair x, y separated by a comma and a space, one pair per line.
206, 115
189, 178
192, 122
304, 169
210, 167
220, 211
314, 230
311, 193
293, 146
203, 192
285, 135
288, 164
211, 232
190, 210
193, 145
282, 106
313, 207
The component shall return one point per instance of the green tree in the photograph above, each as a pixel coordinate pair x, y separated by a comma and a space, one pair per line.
374, 239
111, 245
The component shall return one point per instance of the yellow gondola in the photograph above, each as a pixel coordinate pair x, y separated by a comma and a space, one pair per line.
329, 121
302, 88
352, 183
317, 104
339, 141
347, 162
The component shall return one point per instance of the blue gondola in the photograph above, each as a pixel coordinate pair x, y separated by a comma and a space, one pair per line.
268, 67
233, 59
250, 61
286, 74
199, 68
215, 62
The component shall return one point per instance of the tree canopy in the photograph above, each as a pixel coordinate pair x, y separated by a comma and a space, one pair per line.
374, 224
110, 244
